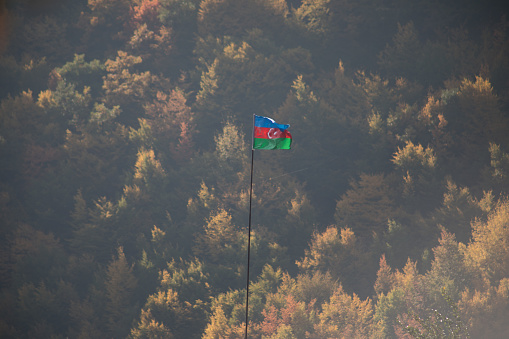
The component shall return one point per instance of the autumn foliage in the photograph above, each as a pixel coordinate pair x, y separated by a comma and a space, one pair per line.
125, 131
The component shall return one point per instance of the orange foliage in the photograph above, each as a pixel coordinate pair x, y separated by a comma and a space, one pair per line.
145, 12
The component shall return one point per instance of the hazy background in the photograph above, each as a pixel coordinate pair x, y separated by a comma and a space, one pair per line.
125, 140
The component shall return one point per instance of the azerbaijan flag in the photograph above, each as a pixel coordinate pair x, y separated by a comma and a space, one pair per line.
270, 135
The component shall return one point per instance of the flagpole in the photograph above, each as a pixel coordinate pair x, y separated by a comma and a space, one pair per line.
249, 229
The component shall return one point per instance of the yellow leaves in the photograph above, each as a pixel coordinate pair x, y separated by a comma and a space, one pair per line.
320, 245
480, 86
219, 327
230, 143
476, 309
348, 238
122, 62
481, 112
430, 111
454, 195
149, 327
198, 208
408, 277
487, 202
46, 99
221, 240
302, 92
299, 207
163, 299
344, 316
384, 277
206, 196
219, 225
209, 82
132, 194
375, 123
147, 166
417, 164
412, 157
233, 51
157, 234
124, 84
499, 162
488, 251
314, 16
328, 249
377, 90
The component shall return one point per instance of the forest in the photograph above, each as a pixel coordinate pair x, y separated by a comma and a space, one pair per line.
125, 161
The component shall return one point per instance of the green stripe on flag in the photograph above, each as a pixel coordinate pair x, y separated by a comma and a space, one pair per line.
279, 143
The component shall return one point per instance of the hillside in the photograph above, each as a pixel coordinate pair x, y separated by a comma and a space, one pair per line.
125, 158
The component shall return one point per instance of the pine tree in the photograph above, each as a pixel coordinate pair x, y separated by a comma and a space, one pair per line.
120, 285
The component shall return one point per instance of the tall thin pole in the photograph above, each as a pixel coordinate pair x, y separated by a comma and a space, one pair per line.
249, 243
249, 229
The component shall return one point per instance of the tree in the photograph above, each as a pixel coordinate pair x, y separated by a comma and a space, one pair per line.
319, 158
417, 167
226, 318
41, 37
367, 206
120, 285
458, 209
412, 59
486, 252
172, 123
179, 306
384, 278
124, 85
337, 252
155, 47
104, 26
448, 273
472, 106
437, 324
227, 17
93, 157
219, 244
81, 73
242, 75
344, 316
149, 328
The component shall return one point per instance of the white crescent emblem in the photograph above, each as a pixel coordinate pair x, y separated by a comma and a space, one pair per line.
274, 133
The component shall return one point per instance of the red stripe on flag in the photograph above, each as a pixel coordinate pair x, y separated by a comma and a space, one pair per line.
270, 133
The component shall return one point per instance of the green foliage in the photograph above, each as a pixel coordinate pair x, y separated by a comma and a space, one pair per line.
228, 91
124, 169
80, 72
178, 12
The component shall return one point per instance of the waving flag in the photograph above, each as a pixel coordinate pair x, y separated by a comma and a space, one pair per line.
270, 135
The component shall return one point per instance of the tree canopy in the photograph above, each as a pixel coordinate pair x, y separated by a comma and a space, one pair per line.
125, 131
